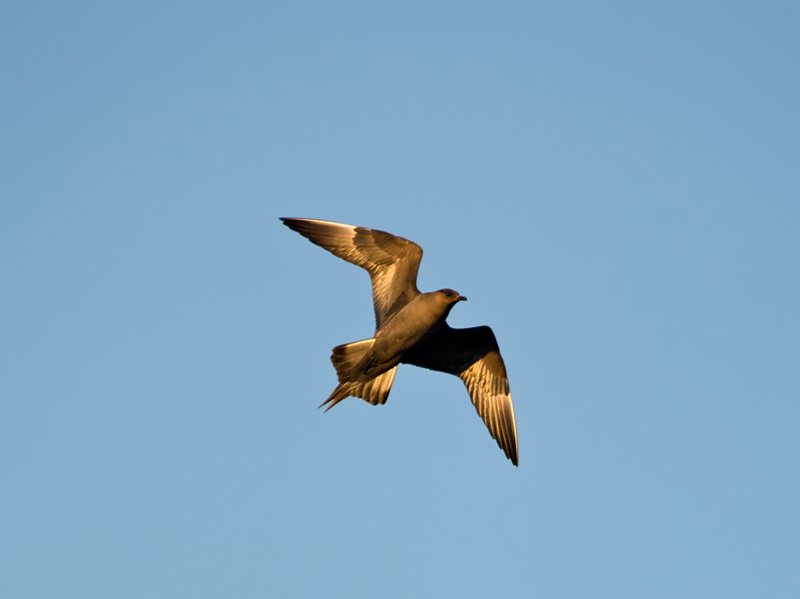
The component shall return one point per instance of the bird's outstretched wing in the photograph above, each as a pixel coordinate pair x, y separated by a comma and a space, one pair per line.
473, 355
392, 262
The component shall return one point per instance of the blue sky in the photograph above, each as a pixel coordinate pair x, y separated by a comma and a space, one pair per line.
613, 185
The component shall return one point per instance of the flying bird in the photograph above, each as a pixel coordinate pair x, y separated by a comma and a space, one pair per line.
411, 328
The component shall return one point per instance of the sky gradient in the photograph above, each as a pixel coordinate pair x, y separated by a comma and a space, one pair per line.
616, 189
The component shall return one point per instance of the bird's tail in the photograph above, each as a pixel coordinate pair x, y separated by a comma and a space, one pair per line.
345, 358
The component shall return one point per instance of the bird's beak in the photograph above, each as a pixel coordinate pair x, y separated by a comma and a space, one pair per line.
461, 298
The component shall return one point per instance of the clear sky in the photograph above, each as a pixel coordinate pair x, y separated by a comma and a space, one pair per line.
616, 188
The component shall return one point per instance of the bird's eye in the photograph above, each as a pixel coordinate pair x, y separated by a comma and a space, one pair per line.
447, 293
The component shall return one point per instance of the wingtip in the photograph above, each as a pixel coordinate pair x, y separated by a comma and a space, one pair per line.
292, 222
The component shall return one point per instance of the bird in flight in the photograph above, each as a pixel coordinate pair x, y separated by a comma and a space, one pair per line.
411, 328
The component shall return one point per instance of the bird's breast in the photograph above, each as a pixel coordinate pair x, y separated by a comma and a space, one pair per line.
413, 324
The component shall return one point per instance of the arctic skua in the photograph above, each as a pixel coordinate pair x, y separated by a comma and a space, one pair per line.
411, 328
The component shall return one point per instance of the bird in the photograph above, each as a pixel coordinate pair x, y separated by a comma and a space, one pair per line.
411, 328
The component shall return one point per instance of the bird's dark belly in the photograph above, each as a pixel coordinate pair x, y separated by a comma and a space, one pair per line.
392, 342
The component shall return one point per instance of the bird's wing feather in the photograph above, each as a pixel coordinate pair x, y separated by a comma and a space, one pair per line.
392, 262
473, 355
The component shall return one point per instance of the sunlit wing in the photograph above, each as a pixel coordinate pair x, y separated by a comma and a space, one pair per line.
392, 262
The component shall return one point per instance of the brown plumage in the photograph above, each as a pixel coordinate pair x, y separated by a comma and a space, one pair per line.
411, 328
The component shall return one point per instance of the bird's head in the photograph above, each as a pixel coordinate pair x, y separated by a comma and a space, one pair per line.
450, 297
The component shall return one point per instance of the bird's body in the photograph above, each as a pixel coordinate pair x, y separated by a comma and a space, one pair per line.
414, 323
411, 328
